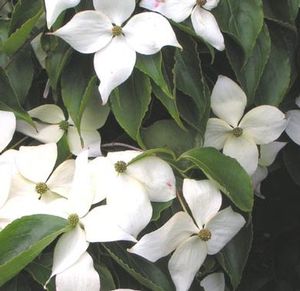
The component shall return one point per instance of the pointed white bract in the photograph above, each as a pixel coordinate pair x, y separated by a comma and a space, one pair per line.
293, 125
55, 7
7, 128
203, 21
192, 238
51, 124
115, 45
238, 135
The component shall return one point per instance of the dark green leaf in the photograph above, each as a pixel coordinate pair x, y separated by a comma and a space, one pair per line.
158, 208
107, 281
129, 103
22, 240
167, 134
143, 271
234, 255
242, 20
227, 172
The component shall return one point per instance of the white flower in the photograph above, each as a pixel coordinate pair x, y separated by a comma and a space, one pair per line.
239, 137
293, 125
204, 23
130, 188
192, 238
115, 46
81, 276
7, 128
213, 282
268, 155
51, 125
55, 7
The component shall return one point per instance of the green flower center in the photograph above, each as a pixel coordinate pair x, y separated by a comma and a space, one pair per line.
237, 132
204, 234
41, 188
201, 2
64, 125
117, 30
120, 167
73, 219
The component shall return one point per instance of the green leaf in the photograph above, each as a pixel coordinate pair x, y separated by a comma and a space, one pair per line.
242, 20
19, 37
9, 100
170, 104
129, 103
227, 172
249, 75
284, 12
20, 72
195, 105
167, 134
107, 281
152, 67
22, 241
233, 257
276, 78
158, 208
140, 269
18, 283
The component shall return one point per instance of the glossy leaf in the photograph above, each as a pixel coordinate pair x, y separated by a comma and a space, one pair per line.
226, 172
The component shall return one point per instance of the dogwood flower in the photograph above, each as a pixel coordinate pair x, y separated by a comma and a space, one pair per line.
55, 7
268, 155
239, 136
104, 223
7, 128
115, 46
192, 238
80, 276
213, 282
131, 187
293, 125
203, 21
51, 125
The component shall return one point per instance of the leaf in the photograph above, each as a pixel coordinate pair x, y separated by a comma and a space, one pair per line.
249, 75
23, 239
107, 281
18, 283
151, 65
170, 104
158, 208
284, 13
140, 269
19, 37
276, 78
242, 20
20, 73
129, 103
9, 100
167, 134
233, 257
227, 172
195, 105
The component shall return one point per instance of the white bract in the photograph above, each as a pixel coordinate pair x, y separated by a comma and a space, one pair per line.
293, 125
51, 125
115, 45
204, 23
55, 7
7, 128
268, 155
239, 136
130, 188
213, 282
192, 238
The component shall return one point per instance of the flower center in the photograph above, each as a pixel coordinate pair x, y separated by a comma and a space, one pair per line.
201, 2
73, 219
120, 167
64, 125
117, 30
41, 188
237, 132
204, 234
